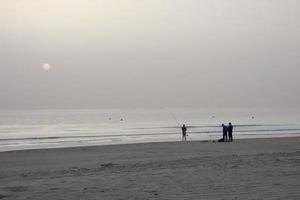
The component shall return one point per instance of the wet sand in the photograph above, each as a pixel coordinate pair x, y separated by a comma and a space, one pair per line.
244, 169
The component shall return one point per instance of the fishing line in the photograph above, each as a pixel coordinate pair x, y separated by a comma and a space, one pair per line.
175, 119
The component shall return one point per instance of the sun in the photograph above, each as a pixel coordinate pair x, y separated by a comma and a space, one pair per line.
46, 67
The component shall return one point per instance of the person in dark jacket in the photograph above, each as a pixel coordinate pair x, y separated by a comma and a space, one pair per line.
224, 133
230, 129
183, 128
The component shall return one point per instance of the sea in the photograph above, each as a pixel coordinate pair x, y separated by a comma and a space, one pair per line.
40, 129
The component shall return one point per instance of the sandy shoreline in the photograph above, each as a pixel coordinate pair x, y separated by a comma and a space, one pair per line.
245, 169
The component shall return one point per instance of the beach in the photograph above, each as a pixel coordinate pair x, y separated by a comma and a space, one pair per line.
244, 169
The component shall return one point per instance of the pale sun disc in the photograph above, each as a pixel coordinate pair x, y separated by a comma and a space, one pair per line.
46, 67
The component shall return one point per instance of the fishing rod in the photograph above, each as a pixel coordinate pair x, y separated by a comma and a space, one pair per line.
179, 124
175, 119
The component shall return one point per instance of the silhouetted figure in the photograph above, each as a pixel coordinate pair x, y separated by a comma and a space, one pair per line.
183, 128
224, 133
230, 129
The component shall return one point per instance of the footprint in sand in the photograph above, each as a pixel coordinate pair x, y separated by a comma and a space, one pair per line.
108, 165
17, 188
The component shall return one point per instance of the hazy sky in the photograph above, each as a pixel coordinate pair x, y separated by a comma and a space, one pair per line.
149, 53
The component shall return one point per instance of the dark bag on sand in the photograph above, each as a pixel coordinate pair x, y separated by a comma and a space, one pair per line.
221, 140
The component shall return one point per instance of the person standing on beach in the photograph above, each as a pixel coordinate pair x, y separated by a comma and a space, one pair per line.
224, 133
230, 129
183, 128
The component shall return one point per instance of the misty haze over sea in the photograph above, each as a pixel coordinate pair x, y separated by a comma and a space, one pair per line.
142, 53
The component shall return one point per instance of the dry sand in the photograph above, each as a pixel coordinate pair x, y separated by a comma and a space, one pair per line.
244, 169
